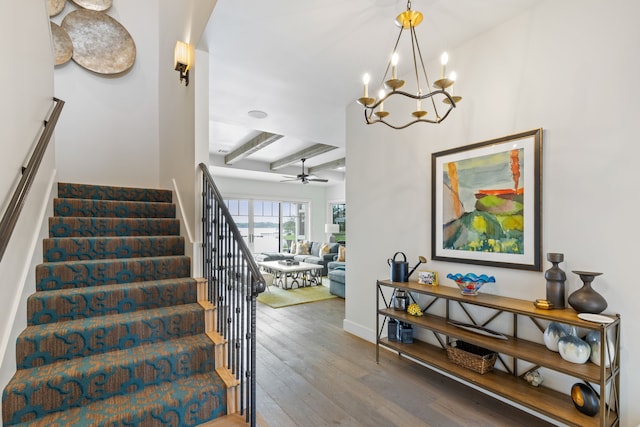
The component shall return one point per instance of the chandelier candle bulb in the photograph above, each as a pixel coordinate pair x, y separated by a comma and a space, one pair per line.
365, 80
443, 60
394, 66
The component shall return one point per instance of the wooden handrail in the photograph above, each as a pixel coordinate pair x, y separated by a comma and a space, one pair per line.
11, 215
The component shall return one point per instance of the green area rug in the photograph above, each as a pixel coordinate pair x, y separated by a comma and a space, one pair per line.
276, 298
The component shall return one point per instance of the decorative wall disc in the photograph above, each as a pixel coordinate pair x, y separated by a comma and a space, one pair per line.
100, 43
62, 46
56, 6
99, 5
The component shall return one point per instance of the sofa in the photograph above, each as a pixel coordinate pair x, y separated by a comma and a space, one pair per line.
311, 255
337, 275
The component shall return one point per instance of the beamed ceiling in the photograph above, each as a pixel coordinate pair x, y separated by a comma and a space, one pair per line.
301, 62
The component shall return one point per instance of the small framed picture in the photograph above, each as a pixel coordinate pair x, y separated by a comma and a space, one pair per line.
427, 277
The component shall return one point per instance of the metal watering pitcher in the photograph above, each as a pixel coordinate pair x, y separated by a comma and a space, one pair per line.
398, 269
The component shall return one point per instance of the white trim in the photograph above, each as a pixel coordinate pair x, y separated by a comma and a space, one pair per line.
183, 217
359, 330
26, 268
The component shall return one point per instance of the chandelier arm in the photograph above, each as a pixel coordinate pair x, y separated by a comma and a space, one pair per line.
410, 95
414, 42
424, 70
395, 46
407, 124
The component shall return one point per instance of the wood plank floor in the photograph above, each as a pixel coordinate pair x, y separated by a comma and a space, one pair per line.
312, 373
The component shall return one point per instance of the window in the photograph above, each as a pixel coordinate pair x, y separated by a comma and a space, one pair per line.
267, 225
339, 216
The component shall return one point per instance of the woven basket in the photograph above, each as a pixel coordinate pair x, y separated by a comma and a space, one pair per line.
472, 357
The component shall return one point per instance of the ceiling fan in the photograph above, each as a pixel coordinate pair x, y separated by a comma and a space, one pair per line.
303, 177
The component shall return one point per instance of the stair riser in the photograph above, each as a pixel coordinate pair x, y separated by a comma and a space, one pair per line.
73, 249
46, 344
58, 388
112, 209
51, 276
102, 192
60, 306
97, 227
167, 404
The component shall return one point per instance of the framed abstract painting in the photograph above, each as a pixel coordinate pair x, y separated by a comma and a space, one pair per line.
485, 202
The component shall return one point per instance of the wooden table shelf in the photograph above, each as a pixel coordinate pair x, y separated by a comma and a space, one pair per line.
510, 386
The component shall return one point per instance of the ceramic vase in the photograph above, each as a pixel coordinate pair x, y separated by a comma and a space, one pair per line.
593, 339
553, 333
585, 399
573, 349
555, 281
586, 299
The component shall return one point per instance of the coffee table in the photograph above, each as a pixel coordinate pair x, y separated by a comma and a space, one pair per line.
287, 276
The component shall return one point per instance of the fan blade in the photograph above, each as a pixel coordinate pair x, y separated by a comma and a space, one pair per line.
318, 179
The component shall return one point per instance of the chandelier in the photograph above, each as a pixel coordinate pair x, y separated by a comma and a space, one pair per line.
416, 102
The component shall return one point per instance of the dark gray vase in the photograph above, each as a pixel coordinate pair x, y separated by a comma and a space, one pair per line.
585, 299
555, 281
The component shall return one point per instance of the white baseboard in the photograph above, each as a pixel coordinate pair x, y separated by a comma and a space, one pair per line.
359, 330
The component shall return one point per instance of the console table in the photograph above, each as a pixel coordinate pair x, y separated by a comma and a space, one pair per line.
507, 381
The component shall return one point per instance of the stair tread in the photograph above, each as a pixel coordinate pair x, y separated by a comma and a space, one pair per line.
93, 301
108, 192
113, 261
78, 368
113, 208
82, 273
143, 408
52, 342
110, 319
58, 249
72, 226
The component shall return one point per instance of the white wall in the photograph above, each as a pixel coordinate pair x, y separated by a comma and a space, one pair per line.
108, 133
569, 67
315, 195
26, 85
180, 150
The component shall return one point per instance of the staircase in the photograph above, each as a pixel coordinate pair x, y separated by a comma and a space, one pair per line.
118, 331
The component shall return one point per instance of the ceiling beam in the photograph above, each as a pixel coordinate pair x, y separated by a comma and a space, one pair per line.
250, 147
339, 163
307, 153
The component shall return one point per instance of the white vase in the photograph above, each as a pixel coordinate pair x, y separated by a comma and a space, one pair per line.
593, 339
553, 333
573, 349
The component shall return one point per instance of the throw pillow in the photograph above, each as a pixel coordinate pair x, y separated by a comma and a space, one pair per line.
324, 249
292, 249
302, 248
342, 254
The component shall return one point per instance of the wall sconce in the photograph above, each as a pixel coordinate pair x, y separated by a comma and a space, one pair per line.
183, 57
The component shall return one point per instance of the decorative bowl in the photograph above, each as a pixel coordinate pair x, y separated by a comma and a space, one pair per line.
470, 283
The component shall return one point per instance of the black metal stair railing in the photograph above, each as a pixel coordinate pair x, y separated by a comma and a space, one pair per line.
234, 281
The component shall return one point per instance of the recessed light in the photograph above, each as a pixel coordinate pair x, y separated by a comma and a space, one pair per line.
257, 114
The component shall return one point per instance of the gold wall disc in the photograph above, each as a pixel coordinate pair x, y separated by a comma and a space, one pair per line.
99, 5
55, 6
100, 43
62, 46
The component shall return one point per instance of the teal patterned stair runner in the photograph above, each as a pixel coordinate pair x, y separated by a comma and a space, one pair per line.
115, 335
